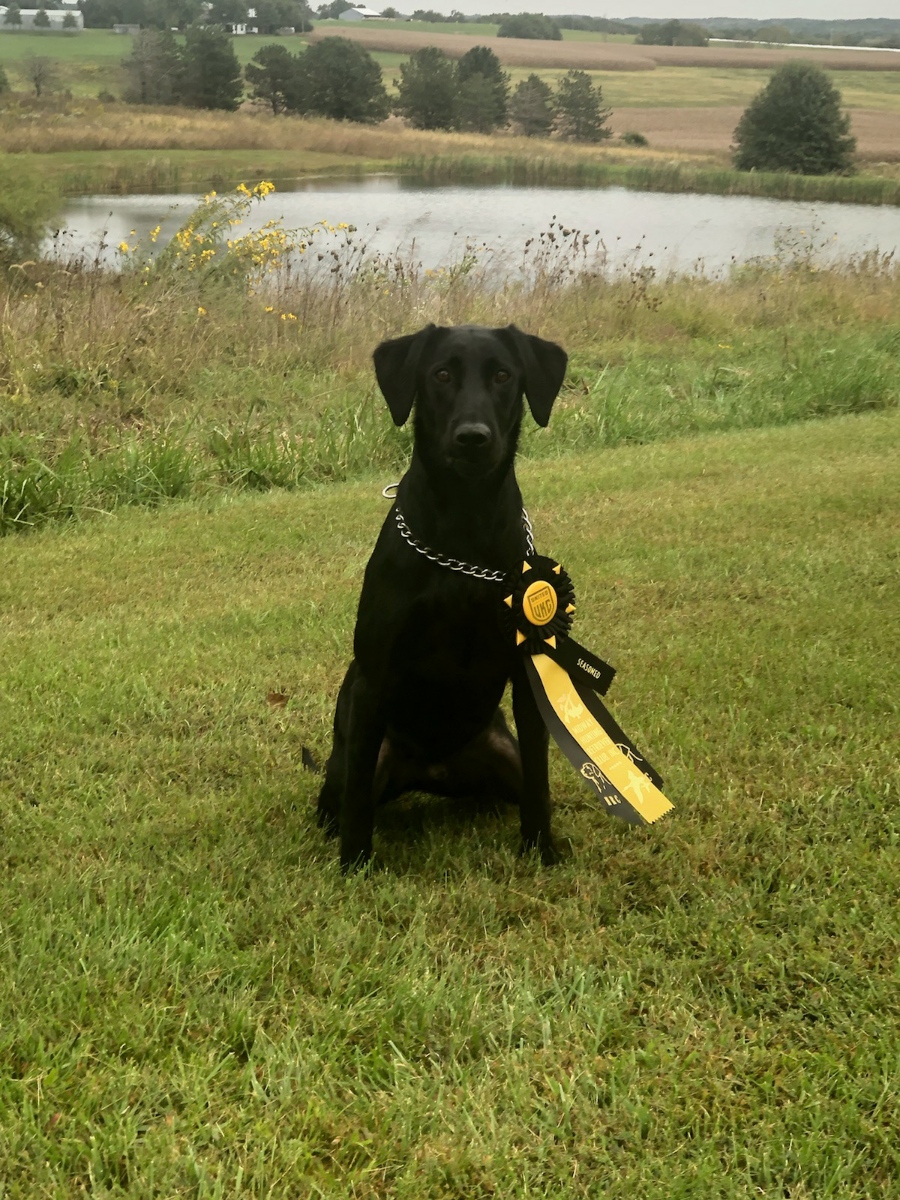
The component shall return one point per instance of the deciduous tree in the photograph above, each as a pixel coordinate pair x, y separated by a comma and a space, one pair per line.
795, 124
530, 25
426, 89
41, 72
272, 74
337, 78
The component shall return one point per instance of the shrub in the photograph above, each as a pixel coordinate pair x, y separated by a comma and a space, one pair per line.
632, 138
27, 202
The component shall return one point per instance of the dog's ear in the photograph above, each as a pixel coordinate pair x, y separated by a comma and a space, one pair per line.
396, 364
544, 365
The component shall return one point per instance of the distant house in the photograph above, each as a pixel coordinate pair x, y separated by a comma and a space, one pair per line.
240, 28
56, 15
359, 13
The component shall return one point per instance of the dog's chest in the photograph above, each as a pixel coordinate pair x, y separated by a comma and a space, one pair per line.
454, 637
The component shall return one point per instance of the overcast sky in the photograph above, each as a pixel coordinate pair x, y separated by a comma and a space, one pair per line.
696, 10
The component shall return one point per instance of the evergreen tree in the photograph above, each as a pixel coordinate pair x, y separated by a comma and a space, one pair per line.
13, 15
483, 90
211, 77
69, 21
581, 116
795, 124
153, 69
41, 20
426, 90
272, 73
337, 78
531, 107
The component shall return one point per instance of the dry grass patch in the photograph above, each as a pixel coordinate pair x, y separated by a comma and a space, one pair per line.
710, 130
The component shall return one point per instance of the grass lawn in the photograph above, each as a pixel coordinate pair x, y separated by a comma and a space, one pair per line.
193, 1002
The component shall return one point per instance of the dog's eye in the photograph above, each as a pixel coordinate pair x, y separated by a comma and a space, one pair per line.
442, 376
501, 377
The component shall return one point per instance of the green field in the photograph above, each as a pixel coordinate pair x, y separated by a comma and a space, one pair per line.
91, 62
193, 1002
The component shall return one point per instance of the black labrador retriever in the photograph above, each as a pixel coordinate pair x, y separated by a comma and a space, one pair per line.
419, 705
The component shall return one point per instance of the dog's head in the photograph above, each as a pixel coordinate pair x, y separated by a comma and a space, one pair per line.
467, 383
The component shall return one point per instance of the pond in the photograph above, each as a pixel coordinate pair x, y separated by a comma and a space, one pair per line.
673, 232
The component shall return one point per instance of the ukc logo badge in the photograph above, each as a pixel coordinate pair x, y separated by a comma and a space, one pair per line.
539, 602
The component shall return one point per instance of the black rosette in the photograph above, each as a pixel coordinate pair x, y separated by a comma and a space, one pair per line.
540, 601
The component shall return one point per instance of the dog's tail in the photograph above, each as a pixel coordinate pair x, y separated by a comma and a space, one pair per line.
309, 762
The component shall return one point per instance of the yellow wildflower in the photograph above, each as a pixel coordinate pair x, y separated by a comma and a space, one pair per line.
201, 311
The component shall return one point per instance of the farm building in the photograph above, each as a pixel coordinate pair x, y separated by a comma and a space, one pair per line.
359, 13
56, 16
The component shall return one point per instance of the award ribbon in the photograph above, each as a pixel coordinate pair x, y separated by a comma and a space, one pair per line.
566, 679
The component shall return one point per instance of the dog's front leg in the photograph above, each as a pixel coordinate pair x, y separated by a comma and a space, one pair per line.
365, 733
534, 741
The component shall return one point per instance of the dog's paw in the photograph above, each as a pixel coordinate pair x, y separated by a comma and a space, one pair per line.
326, 816
550, 851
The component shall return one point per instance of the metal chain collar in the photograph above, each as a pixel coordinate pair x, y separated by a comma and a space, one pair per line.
455, 564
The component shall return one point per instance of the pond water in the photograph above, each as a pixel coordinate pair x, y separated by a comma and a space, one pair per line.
672, 232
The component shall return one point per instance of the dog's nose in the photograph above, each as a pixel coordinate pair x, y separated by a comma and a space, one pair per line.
472, 436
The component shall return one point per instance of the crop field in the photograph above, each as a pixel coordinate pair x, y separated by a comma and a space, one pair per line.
681, 109
619, 56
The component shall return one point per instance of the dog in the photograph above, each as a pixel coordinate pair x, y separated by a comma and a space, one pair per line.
419, 705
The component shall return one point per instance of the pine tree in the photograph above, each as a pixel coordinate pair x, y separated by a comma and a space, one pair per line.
337, 78
271, 74
41, 20
483, 90
580, 113
426, 90
153, 70
69, 21
531, 107
13, 15
212, 76
795, 124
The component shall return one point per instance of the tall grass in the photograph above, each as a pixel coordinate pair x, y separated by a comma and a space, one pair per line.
654, 177
246, 365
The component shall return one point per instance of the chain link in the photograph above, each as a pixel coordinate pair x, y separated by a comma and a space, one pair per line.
455, 564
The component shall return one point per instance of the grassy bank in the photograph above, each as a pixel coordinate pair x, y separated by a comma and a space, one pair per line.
194, 1003
655, 177
184, 376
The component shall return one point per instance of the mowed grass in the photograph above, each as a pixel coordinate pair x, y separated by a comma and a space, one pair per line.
196, 1003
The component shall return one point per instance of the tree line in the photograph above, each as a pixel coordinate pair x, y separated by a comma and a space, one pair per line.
338, 78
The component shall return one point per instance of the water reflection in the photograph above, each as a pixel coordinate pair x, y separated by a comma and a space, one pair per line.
672, 232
